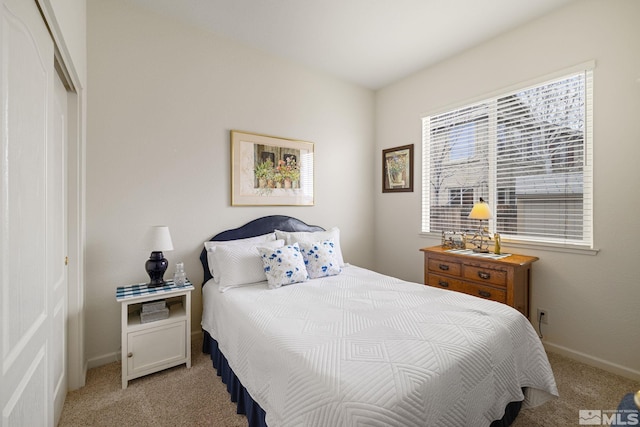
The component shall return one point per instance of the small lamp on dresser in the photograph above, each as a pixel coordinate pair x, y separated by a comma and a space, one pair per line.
481, 212
158, 240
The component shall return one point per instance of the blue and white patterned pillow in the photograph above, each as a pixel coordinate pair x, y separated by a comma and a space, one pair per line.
283, 266
311, 237
321, 258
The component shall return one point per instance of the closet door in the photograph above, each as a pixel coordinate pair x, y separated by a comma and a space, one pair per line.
57, 245
26, 291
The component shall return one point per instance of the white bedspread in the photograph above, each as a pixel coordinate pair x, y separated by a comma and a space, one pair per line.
361, 348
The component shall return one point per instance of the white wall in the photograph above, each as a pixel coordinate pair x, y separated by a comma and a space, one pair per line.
592, 301
163, 99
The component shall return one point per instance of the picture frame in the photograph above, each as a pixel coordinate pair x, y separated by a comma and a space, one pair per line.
397, 169
454, 240
271, 171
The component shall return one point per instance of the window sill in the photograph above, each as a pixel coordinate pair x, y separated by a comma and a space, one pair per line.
572, 249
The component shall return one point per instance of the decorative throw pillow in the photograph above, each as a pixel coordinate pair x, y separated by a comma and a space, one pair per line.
283, 266
211, 246
320, 258
309, 237
241, 264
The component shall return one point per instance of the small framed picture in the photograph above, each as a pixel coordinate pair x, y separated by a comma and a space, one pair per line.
454, 240
397, 169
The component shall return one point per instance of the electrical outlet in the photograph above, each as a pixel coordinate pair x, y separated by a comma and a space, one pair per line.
543, 316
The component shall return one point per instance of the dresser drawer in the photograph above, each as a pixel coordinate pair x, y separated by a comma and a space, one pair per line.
486, 292
485, 275
445, 267
444, 282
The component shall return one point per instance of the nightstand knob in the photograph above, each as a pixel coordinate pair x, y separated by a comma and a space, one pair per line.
130, 354
484, 275
443, 267
485, 294
443, 283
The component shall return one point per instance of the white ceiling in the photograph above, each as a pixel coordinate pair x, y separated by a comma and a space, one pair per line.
368, 42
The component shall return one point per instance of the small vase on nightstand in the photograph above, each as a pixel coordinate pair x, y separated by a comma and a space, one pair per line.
179, 277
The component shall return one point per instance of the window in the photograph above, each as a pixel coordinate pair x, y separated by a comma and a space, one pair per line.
527, 152
462, 137
461, 196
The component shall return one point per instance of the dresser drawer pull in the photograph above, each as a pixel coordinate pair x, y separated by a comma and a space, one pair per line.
443, 267
483, 275
484, 294
443, 283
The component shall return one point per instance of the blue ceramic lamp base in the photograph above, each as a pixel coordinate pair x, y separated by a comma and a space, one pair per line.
156, 265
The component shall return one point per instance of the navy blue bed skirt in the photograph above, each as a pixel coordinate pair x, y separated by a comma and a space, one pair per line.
255, 414
239, 395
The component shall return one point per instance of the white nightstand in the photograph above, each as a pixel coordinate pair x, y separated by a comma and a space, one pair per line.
161, 344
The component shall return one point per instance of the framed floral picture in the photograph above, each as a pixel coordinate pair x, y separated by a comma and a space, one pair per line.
268, 170
397, 169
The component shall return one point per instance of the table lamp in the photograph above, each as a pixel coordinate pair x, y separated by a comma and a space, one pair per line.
481, 212
158, 240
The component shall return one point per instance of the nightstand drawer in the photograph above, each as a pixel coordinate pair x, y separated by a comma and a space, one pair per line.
445, 267
444, 282
486, 292
486, 275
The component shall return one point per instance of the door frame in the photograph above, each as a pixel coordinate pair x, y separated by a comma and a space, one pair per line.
76, 197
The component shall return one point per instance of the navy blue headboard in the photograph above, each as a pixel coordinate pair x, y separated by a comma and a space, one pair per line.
257, 227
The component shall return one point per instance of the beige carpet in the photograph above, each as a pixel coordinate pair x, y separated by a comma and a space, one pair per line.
197, 397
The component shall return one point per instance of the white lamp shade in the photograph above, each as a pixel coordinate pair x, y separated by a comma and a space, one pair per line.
159, 239
480, 211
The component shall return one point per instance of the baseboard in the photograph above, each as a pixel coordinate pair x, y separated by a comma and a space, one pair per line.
196, 335
103, 360
593, 361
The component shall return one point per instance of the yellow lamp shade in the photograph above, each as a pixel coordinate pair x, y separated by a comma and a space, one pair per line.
480, 211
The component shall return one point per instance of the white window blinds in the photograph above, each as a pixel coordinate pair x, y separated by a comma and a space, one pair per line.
527, 152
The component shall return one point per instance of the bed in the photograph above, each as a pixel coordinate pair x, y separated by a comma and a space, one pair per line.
361, 348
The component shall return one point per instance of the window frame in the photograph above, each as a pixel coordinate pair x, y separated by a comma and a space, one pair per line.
586, 244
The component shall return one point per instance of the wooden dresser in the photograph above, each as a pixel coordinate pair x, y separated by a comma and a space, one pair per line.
506, 280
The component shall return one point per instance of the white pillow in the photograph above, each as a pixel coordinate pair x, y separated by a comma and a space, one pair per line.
320, 259
214, 269
241, 264
283, 266
309, 237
